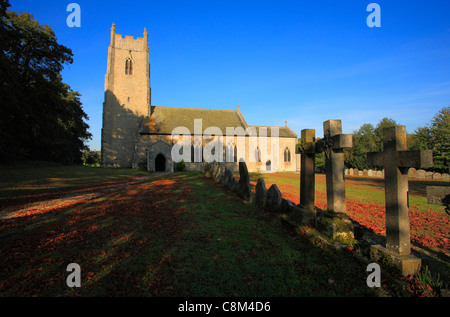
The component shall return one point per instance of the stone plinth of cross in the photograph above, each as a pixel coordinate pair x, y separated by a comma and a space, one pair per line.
333, 144
396, 160
307, 149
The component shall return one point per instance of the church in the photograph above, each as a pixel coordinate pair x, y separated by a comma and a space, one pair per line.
137, 134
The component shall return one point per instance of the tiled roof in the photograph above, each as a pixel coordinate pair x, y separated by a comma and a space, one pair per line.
164, 120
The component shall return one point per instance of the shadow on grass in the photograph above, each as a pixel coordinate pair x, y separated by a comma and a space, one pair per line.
118, 240
183, 235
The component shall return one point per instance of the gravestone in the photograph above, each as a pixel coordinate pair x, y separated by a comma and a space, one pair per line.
286, 206
244, 189
307, 149
396, 161
228, 177
260, 193
437, 176
438, 195
445, 177
274, 198
420, 174
411, 172
333, 144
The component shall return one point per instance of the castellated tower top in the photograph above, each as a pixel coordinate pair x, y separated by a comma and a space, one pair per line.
129, 42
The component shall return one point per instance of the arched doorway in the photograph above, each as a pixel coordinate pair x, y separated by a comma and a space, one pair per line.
160, 163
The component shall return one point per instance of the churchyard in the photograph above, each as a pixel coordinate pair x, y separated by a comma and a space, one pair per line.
135, 233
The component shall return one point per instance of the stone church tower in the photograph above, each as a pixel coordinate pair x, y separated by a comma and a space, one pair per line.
127, 97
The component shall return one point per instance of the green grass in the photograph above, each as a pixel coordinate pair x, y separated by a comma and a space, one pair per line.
31, 178
229, 249
182, 235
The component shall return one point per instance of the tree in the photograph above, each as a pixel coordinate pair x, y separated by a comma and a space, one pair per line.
91, 158
366, 139
384, 123
436, 136
40, 116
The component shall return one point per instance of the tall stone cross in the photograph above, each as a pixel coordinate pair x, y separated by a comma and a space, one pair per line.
333, 144
307, 149
396, 160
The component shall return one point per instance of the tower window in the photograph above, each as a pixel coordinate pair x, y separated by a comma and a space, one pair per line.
128, 67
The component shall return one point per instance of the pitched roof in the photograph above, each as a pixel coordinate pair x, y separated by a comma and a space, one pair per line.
283, 132
163, 120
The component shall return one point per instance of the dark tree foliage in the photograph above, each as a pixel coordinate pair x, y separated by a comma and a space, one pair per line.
366, 139
40, 116
436, 136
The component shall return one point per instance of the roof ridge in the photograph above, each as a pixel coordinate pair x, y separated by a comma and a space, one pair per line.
191, 108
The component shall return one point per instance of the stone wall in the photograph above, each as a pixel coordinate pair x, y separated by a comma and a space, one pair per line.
270, 199
412, 173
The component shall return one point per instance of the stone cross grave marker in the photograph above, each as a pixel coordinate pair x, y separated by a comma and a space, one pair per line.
333, 144
396, 160
307, 149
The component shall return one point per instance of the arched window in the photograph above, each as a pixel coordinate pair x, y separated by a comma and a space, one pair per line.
128, 67
258, 155
287, 155
268, 165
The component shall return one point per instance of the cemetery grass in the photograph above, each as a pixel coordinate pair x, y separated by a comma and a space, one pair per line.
27, 182
366, 206
177, 235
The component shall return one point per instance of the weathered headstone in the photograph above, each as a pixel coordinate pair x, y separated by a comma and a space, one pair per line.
286, 206
260, 193
274, 198
333, 144
420, 174
396, 160
234, 184
437, 176
411, 172
244, 189
228, 177
438, 195
445, 177
307, 149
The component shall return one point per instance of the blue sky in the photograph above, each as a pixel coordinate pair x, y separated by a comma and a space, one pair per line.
300, 61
